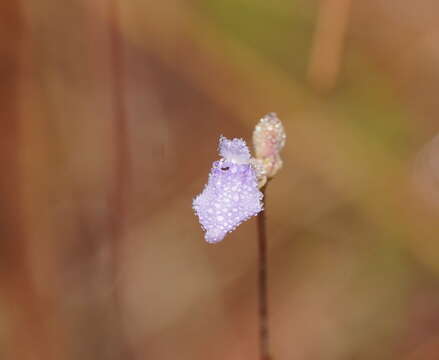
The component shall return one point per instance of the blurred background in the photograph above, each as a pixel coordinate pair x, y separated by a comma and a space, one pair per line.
110, 116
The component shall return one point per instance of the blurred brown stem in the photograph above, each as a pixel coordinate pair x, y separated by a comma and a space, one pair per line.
122, 163
262, 285
328, 44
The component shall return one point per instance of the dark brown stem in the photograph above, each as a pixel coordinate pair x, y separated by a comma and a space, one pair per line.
262, 285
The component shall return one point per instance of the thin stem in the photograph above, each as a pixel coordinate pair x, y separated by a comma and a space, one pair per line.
262, 285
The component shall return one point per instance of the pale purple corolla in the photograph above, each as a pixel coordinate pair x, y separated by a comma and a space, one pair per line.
231, 195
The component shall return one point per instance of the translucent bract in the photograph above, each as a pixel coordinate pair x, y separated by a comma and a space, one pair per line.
268, 139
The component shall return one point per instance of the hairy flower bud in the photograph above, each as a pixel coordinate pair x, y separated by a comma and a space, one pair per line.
268, 139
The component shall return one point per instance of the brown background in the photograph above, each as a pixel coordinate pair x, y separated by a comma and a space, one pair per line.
110, 115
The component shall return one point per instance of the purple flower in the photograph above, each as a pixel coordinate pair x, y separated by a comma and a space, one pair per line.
231, 195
